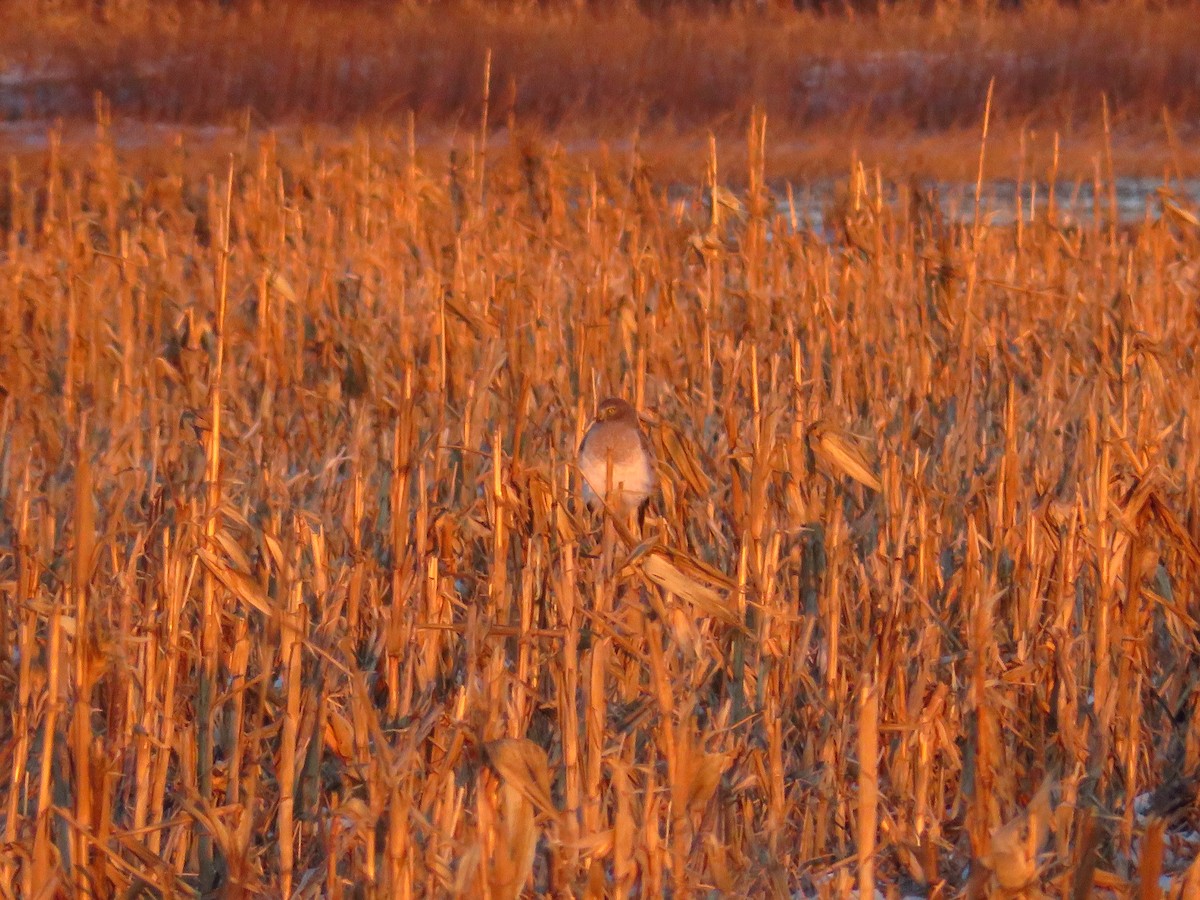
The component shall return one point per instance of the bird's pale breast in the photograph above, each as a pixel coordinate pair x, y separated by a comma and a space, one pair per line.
632, 473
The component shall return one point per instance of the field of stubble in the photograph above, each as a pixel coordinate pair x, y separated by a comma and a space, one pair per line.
296, 594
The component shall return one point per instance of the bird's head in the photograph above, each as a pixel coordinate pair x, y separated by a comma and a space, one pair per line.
614, 408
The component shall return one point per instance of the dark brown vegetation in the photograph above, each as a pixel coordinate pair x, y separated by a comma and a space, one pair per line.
905, 84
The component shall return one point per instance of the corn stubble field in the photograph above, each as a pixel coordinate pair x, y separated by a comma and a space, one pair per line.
298, 594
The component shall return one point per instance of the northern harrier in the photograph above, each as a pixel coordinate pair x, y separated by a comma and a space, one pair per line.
616, 460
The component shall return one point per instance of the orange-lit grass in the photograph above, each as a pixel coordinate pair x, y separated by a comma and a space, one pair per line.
427, 672
904, 86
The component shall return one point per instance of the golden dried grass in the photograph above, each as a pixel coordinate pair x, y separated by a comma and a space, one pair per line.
293, 589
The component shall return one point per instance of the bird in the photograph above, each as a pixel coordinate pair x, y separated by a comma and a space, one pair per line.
617, 461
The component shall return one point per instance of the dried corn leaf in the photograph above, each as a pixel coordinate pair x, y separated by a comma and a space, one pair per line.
1013, 849
523, 768
241, 586
280, 285
703, 778
1179, 214
721, 199
844, 454
339, 734
1167, 518
672, 578
624, 826
353, 814
524, 765
233, 552
597, 845
680, 454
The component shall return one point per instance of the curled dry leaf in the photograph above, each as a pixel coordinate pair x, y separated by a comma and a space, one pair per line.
339, 735
353, 814
1013, 849
705, 775
678, 451
281, 286
688, 586
844, 453
523, 765
524, 772
721, 198
241, 586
